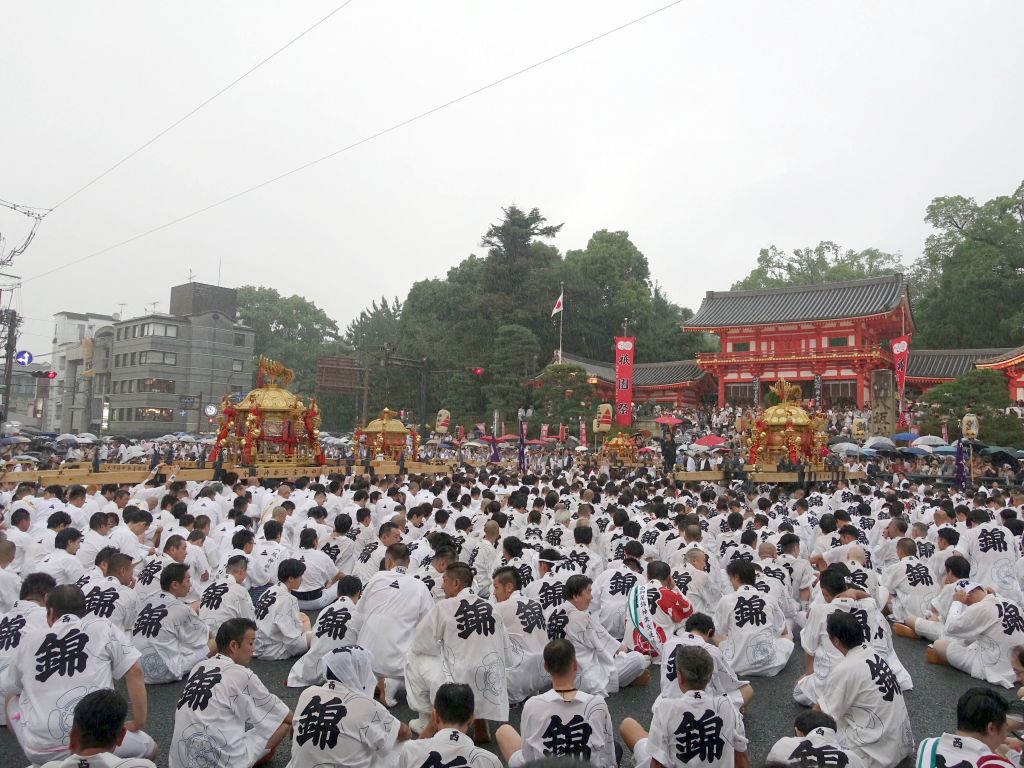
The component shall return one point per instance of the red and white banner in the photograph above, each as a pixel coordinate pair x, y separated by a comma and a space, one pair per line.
543, 431
624, 348
561, 433
945, 433
583, 432
900, 356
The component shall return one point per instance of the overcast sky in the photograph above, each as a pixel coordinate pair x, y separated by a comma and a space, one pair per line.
707, 132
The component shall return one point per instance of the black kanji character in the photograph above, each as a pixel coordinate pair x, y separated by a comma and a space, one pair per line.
213, 596
319, 723
331, 550
367, 552
333, 622
582, 560
476, 618
1011, 618
62, 656
101, 602
701, 739
649, 537
991, 539
919, 575
862, 618
554, 536
806, 755
775, 573
149, 621
10, 632
199, 689
530, 615
557, 622
434, 759
525, 574
750, 610
925, 549
571, 738
682, 580
670, 667
265, 603
428, 581
725, 546
883, 677
149, 572
738, 555
858, 579
551, 593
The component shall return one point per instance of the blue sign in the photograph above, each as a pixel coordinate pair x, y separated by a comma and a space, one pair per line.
23, 358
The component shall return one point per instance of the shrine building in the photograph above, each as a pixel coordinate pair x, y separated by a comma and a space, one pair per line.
826, 337
678, 384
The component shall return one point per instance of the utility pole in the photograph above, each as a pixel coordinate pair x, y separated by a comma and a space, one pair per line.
10, 330
625, 326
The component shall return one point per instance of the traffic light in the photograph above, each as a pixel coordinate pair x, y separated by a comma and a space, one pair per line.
477, 371
44, 374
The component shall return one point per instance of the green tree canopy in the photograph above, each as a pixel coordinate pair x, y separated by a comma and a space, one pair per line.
560, 395
825, 263
983, 393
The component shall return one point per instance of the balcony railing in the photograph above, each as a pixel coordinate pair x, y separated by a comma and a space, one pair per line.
820, 355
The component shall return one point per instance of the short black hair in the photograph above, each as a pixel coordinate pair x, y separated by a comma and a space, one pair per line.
950, 535
845, 628
959, 566
240, 538
233, 630
694, 666
307, 538
290, 569
575, 586
349, 586
832, 581
742, 570
809, 720
99, 718
454, 703
700, 622
171, 573
558, 656
658, 570
64, 600
461, 573
65, 537
977, 708
507, 574
36, 586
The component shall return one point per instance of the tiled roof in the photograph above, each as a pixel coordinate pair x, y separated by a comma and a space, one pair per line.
1001, 355
827, 301
946, 363
644, 374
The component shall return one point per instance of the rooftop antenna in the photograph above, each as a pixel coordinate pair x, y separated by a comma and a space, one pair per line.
152, 307
191, 275
120, 309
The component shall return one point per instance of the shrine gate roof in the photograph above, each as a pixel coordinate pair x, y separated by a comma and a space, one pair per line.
644, 374
797, 304
947, 363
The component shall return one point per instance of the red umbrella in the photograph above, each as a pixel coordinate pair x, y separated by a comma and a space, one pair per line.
668, 420
710, 441
536, 442
507, 438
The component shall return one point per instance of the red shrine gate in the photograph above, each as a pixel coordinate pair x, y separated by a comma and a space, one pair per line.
828, 338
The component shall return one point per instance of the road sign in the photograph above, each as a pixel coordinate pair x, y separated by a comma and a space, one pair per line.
210, 410
23, 358
183, 412
187, 401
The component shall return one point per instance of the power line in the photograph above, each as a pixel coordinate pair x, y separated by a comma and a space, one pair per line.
360, 142
189, 114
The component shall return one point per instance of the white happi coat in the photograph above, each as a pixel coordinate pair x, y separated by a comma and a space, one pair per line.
170, 638
450, 747
469, 641
110, 599
218, 702
724, 681
697, 729
579, 728
225, 599
332, 630
279, 633
866, 702
392, 604
595, 648
912, 586
819, 747
527, 634
955, 749
993, 554
982, 636
753, 623
609, 602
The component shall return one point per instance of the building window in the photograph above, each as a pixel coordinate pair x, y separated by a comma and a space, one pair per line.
741, 346
839, 341
154, 414
161, 358
118, 334
131, 385
115, 388
133, 357
159, 329
165, 386
237, 365
239, 339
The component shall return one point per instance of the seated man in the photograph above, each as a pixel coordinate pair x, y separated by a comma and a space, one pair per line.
700, 631
167, 632
610, 589
113, 597
564, 722
980, 731
909, 582
754, 626
332, 630
284, 630
815, 743
225, 598
689, 572
956, 568
981, 631
459, 641
315, 591
655, 609
527, 634
225, 717
338, 723
606, 664
451, 719
864, 698
57, 665
698, 728
97, 729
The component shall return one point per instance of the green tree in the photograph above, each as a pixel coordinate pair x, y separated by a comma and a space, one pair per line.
826, 262
513, 362
660, 336
983, 393
561, 394
291, 329
970, 279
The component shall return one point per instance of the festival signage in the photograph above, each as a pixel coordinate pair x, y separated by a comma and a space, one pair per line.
442, 422
603, 422
625, 346
583, 432
817, 390
900, 355
543, 431
757, 392
561, 433
522, 447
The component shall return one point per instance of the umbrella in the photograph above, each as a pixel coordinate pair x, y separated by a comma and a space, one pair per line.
839, 439
186, 439
917, 451
932, 441
846, 448
24, 457
83, 440
904, 436
66, 438
709, 440
945, 450
472, 444
668, 420
581, 449
876, 442
536, 442
507, 438
88, 436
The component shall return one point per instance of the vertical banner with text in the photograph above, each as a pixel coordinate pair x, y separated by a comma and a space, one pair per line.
900, 356
583, 432
624, 348
543, 431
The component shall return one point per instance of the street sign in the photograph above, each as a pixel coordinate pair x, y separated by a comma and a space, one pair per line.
183, 412
210, 410
187, 401
23, 358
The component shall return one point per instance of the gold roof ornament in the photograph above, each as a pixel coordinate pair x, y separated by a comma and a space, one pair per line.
788, 410
386, 423
270, 395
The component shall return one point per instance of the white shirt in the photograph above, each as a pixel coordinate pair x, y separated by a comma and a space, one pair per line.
320, 569
332, 630
821, 745
452, 747
225, 599
169, 636
65, 568
581, 727
392, 604
101, 760
109, 599
218, 702
279, 633
956, 749
698, 728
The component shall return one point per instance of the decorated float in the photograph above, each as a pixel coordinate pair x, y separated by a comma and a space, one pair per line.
785, 432
387, 438
270, 425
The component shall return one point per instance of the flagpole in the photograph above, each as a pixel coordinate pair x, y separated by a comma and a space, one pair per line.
561, 316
